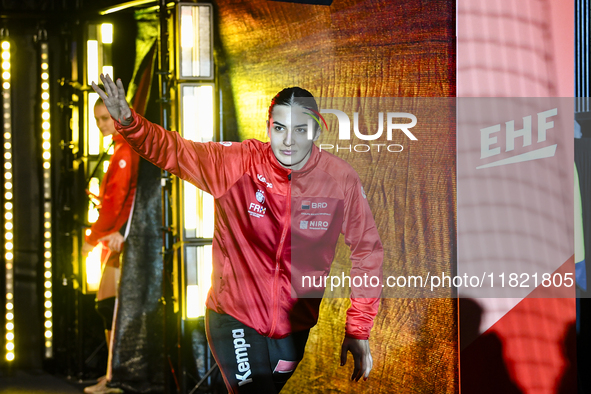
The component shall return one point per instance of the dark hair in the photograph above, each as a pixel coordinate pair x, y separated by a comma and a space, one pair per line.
98, 102
291, 96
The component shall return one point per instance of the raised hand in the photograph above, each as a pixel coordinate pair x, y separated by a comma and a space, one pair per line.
114, 98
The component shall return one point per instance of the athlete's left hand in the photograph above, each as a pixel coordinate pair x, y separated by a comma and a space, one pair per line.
359, 348
114, 241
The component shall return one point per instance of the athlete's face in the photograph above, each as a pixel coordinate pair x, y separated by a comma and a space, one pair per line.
288, 131
103, 120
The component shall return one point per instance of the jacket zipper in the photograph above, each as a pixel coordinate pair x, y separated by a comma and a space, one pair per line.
278, 258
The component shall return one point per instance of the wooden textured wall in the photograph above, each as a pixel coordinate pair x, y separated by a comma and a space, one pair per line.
371, 48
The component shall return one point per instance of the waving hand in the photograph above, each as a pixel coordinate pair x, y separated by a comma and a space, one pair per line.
114, 98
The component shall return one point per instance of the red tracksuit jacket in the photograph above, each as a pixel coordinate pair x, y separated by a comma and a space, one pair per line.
116, 194
273, 225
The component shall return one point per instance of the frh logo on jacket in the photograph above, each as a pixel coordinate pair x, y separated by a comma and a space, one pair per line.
241, 351
256, 210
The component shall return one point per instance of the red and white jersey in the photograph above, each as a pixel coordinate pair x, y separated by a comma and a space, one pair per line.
272, 224
116, 193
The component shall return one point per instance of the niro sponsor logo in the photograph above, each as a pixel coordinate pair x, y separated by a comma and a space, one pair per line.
489, 138
314, 225
241, 351
318, 225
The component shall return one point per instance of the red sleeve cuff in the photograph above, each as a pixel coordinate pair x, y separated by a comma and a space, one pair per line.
119, 127
353, 336
91, 240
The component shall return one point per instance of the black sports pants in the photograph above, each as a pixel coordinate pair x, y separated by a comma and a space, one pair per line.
250, 362
106, 308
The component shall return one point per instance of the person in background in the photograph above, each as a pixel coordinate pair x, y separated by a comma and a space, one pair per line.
116, 198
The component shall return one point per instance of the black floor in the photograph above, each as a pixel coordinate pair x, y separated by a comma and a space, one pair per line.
38, 382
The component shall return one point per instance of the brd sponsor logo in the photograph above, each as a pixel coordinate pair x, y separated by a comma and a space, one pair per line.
345, 131
314, 205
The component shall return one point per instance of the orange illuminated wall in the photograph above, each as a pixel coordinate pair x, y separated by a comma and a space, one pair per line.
355, 48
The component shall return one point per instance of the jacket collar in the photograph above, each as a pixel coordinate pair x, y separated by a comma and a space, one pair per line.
118, 138
311, 163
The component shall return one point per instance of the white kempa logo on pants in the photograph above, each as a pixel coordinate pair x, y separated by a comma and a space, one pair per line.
240, 348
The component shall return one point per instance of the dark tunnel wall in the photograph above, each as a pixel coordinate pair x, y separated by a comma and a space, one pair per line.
23, 24
358, 48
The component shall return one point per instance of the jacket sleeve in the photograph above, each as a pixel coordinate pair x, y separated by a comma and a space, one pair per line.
117, 191
366, 261
212, 166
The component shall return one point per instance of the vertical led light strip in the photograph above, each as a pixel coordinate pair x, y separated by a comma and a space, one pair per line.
47, 231
199, 263
197, 124
8, 199
92, 61
106, 41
